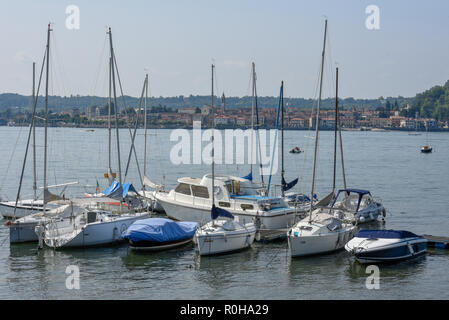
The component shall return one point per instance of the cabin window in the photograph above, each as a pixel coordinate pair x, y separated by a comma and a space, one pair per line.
229, 187
245, 206
224, 204
183, 188
199, 191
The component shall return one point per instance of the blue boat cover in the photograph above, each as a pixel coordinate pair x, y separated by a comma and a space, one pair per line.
287, 186
160, 230
115, 192
248, 177
216, 212
386, 234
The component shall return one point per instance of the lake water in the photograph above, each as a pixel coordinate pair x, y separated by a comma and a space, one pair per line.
412, 186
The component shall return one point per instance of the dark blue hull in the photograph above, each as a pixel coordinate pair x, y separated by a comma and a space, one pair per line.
393, 254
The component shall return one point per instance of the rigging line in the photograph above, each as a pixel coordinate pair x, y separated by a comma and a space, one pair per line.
129, 128
100, 66
29, 134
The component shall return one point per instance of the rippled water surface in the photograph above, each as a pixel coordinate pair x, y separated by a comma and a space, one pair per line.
412, 186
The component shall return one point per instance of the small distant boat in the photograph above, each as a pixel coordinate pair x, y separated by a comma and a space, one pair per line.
371, 246
296, 150
426, 149
90, 130
157, 234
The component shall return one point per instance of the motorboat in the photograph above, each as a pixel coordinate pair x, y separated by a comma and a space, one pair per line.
371, 246
191, 201
357, 206
224, 235
426, 149
295, 150
90, 228
320, 233
157, 234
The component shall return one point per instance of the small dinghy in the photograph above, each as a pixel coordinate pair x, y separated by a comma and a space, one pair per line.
295, 150
156, 234
426, 149
371, 246
224, 235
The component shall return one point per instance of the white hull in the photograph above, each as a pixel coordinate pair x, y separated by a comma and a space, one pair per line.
224, 241
202, 216
318, 244
94, 234
24, 208
152, 201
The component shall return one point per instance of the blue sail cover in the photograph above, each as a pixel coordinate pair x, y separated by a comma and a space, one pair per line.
386, 234
216, 212
160, 230
287, 186
248, 177
114, 186
121, 192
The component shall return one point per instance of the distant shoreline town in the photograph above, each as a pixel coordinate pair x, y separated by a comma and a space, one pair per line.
235, 118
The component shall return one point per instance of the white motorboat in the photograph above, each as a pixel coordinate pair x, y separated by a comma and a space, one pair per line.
90, 228
191, 201
372, 246
322, 233
357, 206
224, 235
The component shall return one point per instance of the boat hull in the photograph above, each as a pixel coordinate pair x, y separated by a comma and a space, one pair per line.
187, 213
95, 234
221, 243
318, 244
159, 247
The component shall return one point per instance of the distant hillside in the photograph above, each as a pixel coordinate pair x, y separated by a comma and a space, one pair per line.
432, 103
57, 103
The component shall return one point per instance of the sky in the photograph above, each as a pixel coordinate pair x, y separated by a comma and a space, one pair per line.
177, 41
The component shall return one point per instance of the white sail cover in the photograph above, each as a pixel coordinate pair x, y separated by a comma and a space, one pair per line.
150, 184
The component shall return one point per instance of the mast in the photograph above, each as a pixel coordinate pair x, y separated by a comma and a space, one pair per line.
252, 122
335, 132
213, 133
34, 138
282, 140
46, 114
115, 108
257, 121
341, 143
317, 123
145, 130
110, 175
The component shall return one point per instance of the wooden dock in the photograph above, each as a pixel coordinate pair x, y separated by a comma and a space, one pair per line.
437, 242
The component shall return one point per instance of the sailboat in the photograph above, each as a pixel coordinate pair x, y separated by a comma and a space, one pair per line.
93, 227
226, 234
22, 207
427, 148
321, 232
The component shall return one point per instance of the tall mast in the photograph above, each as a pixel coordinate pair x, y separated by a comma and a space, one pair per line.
282, 139
145, 129
317, 123
252, 121
335, 131
110, 176
257, 121
34, 137
341, 144
213, 133
46, 114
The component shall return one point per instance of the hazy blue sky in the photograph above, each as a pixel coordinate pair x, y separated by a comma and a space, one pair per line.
178, 40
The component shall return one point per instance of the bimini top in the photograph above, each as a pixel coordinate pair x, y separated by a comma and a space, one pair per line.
359, 191
160, 230
386, 234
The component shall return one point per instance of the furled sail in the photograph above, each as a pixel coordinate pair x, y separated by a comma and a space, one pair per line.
218, 212
287, 186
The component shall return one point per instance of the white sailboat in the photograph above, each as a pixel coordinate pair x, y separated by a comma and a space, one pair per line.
320, 232
93, 227
226, 234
